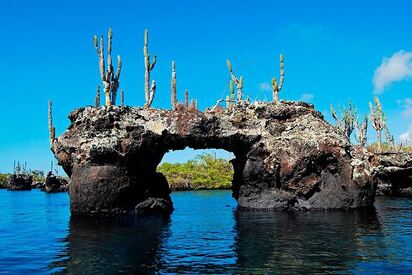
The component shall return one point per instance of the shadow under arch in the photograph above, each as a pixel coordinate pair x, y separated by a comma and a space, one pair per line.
110, 245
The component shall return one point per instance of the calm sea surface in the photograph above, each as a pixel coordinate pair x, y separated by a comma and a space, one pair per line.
205, 234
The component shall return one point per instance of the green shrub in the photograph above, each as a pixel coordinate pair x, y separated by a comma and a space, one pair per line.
3, 178
374, 148
204, 172
38, 176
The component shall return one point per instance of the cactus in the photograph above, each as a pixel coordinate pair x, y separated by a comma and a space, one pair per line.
232, 90
109, 78
361, 131
52, 130
17, 168
346, 124
237, 81
114, 97
390, 140
276, 87
335, 117
196, 105
122, 97
231, 99
192, 106
349, 120
149, 91
186, 99
97, 97
228, 103
173, 87
152, 92
378, 120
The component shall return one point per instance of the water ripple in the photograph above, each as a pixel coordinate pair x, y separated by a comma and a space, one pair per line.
205, 234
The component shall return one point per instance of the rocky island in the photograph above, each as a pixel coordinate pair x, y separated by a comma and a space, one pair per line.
287, 157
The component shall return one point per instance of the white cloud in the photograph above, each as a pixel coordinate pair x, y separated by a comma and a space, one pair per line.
265, 86
406, 138
306, 97
406, 106
395, 68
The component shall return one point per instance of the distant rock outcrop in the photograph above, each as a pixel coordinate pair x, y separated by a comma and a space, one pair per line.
55, 184
19, 182
393, 173
286, 157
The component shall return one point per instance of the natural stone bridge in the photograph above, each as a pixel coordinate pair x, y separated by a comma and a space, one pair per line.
286, 157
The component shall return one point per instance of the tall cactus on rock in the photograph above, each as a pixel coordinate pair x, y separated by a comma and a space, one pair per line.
173, 94
378, 120
122, 97
231, 98
276, 87
237, 81
97, 97
345, 124
232, 90
390, 139
148, 89
192, 106
361, 131
186, 99
52, 129
109, 77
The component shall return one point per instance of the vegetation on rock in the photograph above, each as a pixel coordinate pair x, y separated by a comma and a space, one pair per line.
378, 120
3, 178
276, 87
204, 172
236, 80
387, 147
109, 77
149, 91
349, 121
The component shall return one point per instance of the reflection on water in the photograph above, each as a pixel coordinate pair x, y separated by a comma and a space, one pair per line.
309, 241
205, 234
202, 234
112, 245
369, 240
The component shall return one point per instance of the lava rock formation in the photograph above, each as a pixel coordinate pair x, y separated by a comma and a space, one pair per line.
286, 157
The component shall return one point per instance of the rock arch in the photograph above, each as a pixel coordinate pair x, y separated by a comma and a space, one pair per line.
287, 157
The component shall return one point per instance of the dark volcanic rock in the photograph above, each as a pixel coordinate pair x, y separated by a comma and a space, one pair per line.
392, 173
37, 185
19, 182
154, 205
287, 157
55, 184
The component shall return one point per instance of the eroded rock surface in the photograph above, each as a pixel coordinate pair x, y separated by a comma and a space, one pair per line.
287, 157
393, 173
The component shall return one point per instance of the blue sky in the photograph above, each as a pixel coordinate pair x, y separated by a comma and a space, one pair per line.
334, 51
